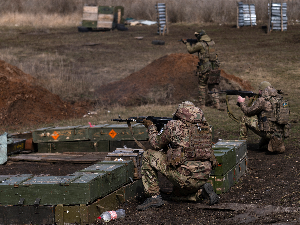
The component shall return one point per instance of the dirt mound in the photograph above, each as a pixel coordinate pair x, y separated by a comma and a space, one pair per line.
169, 79
22, 103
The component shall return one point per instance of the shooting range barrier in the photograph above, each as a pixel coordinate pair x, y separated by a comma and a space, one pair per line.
162, 18
101, 17
246, 15
277, 16
82, 196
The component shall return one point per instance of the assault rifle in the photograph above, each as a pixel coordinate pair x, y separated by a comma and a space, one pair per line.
235, 92
191, 41
158, 121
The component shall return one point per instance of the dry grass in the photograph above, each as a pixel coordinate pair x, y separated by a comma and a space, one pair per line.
40, 20
55, 13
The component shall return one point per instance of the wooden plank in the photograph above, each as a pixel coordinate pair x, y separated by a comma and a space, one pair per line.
76, 157
105, 17
90, 9
89, 16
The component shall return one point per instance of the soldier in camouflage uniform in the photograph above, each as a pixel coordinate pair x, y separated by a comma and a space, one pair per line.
265, 125
182, 153
207, 69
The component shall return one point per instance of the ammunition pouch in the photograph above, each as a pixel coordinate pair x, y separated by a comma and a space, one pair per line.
192, 154
214, 77
175, 156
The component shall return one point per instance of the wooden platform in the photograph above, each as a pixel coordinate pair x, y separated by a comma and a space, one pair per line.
76, 157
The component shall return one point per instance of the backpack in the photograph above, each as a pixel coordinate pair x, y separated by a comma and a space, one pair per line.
281, 110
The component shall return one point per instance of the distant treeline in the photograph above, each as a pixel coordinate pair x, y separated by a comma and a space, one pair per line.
186, 11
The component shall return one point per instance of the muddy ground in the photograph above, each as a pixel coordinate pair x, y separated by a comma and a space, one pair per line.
269, 191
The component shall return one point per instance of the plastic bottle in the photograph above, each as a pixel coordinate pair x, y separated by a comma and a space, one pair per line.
111, 215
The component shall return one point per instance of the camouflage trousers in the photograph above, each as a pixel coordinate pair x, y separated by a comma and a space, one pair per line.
187, 178
204, 87
274, 141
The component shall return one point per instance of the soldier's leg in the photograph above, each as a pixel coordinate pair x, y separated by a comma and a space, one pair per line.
276, 143
243, 129
215, 96
202, 88
188, 179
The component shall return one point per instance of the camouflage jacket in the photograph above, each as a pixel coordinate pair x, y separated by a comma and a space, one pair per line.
262, 107
205, 49
176, 138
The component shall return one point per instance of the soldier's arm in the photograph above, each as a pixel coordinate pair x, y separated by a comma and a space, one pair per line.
255, 109
159, 141
194, 48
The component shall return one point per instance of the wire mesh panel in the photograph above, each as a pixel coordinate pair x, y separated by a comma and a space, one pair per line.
246, 14
161, 11
278, 16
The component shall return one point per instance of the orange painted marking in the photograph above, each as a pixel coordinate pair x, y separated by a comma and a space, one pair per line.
55, 135
112, 133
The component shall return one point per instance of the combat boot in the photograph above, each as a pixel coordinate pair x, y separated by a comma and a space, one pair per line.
152, 202
263, 143
209, 194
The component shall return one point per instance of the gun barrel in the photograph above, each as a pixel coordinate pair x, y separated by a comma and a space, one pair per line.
235, 92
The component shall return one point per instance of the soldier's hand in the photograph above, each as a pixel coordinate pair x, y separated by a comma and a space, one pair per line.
147, 123
214, 161
184, 41
240, 99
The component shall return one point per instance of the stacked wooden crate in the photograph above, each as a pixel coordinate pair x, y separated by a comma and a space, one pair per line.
102, 17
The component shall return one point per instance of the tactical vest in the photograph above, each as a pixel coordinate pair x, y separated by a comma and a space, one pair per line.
278, 118
200, 139
200, 145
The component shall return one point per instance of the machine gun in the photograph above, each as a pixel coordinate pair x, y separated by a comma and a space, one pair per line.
158, 121
191, 41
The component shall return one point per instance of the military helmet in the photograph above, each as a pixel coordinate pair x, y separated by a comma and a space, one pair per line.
185, 104
187, 111
200, 33
263, 85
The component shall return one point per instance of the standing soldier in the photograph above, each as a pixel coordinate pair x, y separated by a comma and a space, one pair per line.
272, 113
183, 153
207, 69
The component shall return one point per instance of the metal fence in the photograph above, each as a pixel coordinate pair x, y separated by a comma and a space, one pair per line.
246, 15
278, 16
161, 11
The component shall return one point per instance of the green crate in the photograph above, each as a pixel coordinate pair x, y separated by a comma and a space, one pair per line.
119, 172
116, 132
87, 214
226, 159
222, 183
15, 145
239, 145
89, 23
73, 146
105, 10
56, 134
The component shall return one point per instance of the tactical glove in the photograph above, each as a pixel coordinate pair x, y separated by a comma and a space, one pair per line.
147, 123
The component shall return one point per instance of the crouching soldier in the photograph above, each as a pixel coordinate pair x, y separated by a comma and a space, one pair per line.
183, 154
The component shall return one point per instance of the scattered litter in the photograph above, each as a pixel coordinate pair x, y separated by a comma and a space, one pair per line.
133, 22
139, 38
91, 124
